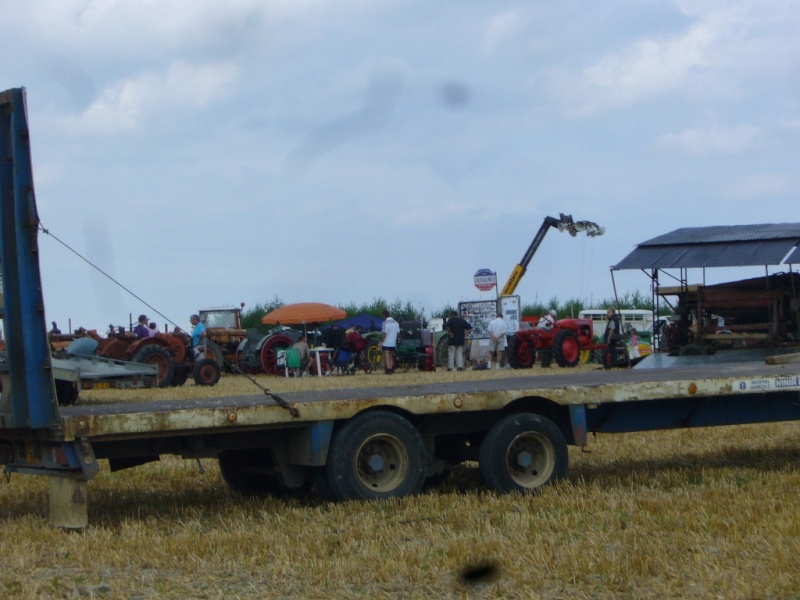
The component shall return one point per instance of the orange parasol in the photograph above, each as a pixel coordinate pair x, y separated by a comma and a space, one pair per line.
303, 312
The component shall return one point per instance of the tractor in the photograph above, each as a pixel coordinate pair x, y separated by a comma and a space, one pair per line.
566, 341
258, 352
170, 352
224, 329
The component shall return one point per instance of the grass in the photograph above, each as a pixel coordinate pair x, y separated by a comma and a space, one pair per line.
706, 513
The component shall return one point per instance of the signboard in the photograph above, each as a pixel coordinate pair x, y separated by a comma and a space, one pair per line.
480, 312
485, 280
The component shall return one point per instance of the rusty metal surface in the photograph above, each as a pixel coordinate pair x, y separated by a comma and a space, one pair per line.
257, 411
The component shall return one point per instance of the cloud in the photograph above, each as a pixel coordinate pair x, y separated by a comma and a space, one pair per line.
656, 65
126, 104
762, 185
502, 26
711, 141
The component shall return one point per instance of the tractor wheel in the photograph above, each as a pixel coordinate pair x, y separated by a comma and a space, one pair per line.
214, 352
153, 354
66, 392
692, 350
206, 372
566, 348
521, 353
441, 351
180, 377
177, 348
269, 352
374, 355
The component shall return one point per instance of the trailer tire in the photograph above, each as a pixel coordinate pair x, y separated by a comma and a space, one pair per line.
377, 454
206, 372
153, 354
522, 453
566, 348
250, 473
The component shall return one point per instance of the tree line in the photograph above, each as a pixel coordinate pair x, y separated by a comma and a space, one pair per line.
406, 311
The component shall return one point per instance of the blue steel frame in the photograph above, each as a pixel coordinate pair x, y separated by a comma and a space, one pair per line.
33, 403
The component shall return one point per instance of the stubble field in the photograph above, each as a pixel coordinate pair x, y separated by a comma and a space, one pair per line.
706, 513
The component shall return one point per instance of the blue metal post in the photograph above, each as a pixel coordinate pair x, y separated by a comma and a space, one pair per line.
32, 403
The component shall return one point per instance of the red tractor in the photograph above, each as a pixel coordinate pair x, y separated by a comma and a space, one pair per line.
566, 341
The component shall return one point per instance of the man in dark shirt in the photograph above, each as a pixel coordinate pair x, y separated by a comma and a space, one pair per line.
457, 329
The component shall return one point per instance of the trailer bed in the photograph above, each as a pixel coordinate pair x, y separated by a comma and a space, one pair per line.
180, 417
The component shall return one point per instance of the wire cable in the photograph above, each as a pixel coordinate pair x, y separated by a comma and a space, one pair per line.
44, 230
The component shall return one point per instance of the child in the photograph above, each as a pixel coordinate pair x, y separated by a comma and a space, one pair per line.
633, 349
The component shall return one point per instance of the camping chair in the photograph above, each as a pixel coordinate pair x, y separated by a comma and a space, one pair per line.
291, 359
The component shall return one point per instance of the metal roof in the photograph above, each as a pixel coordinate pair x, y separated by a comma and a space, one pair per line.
718, 246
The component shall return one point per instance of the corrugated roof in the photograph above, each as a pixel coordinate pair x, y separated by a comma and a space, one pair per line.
727, 233
793, 258
723, 246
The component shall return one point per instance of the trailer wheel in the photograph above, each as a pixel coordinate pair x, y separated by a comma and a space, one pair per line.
206, 372
522, 453
250, 473
153, 354
376, 455
521, 353
566, 348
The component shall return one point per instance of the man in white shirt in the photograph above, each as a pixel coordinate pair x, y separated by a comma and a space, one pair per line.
497, 340
390, 331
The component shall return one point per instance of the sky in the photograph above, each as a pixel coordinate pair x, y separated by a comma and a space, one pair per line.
207, 153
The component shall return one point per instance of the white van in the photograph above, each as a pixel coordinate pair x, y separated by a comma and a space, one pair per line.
640, 319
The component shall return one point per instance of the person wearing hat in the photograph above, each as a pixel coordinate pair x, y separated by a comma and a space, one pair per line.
548, 321
141, 330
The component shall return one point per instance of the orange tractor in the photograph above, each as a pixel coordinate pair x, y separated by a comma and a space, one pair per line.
170, 352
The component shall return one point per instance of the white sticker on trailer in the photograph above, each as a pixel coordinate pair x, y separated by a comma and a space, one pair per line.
760, 385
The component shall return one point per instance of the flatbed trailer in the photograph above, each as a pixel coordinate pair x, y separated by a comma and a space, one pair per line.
360, 443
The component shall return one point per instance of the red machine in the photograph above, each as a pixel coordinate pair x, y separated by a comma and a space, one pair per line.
569, 336
566, 341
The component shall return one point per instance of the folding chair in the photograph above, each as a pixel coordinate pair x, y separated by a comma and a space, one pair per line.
291, 358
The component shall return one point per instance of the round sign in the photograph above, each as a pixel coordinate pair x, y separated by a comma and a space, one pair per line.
485, 280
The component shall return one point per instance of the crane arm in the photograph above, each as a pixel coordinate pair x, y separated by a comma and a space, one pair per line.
562, 223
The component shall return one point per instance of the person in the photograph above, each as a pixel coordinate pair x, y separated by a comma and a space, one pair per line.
634, 344
198, 335
612, 333
355, 343
497, 341
389, 332
55, 330
457, 329
301, 345
141, 330
153, 329
548, 321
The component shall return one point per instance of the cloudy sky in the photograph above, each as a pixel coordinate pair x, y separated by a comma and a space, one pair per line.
207, 153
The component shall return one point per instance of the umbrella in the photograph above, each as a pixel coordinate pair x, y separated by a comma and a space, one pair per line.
303, 312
